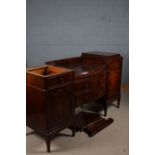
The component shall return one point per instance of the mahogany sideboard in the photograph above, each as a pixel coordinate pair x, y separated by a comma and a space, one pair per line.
54, 91
105, 85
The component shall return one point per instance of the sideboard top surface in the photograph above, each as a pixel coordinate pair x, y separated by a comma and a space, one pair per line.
83, 70
105, 54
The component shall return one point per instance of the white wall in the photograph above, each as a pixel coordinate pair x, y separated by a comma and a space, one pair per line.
65, 28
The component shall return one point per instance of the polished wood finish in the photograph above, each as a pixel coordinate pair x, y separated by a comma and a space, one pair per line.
98, 72
97, 126
54, 91
89, 86
90, 79
49, 100
113, 63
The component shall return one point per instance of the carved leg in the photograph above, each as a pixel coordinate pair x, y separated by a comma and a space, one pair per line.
48, 142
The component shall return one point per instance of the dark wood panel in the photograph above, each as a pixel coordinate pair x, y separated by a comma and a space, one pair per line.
113, 64
60, 107
35, 108
49, 100
55, 90
114, 79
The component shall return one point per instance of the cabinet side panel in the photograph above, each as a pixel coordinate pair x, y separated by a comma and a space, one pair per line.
114, 78
35, 108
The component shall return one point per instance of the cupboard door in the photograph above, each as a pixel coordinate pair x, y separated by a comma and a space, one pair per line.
114, 78
60, 107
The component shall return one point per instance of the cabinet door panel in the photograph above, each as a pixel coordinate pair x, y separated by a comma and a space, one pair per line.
114, 78
59, 107
114, 83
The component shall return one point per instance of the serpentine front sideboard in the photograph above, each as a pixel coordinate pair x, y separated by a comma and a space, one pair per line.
106, 83
54, 91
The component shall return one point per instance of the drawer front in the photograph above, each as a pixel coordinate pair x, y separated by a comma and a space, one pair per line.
59, 80
84, 98
98, 81
83, 85
88, 97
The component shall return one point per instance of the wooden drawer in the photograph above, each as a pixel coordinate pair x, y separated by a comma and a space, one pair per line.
84, 98
88, 97
59, 80
97, 81
84, 84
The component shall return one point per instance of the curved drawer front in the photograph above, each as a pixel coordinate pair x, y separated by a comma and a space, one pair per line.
84, 84
88, 83
87, 97
90, 88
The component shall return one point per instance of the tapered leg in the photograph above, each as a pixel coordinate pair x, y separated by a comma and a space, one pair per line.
118, 102
73, 131
105, 108
48, 142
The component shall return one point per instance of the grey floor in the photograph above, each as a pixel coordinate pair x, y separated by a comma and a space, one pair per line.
112, 140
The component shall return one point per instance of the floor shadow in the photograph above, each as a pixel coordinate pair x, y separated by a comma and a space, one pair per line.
94, 107
30, 133
32, 147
